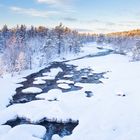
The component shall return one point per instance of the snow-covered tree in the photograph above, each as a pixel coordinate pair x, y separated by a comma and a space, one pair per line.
136, 52
26, 48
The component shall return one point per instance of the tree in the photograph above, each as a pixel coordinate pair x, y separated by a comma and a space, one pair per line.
136, 52
20, 62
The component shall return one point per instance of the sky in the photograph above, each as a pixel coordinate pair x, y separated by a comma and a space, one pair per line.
93, 16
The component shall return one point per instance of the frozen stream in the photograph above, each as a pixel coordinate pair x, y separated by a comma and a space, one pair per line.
65, 78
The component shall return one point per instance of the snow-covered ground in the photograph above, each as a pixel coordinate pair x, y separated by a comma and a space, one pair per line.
106, 115
25, 131
111, 113
8, 85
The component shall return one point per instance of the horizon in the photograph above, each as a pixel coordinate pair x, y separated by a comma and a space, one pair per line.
96, 16
80, 32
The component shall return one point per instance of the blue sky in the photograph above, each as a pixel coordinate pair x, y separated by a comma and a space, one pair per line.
98, 16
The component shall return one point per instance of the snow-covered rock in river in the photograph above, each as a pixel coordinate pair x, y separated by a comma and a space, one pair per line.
39, 82
68, 76
32, 90
65, 81
56, 137
64, 86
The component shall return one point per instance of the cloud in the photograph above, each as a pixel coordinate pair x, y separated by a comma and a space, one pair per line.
66, 5
110, 23
51, 1
70, 19
33, 12
84, 30
55, 2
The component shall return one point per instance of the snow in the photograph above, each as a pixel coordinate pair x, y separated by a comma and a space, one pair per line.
92, 48
5, 94
35, 111
56, 137
32, 90
68, 76
48, 75
44, 78
65, 81
64, 86
87, 49
50, 95
53, 72
25, 131
39, 82
104, 116
4, 129
9, 84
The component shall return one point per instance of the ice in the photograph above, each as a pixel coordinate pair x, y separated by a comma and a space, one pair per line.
53, 72
39, 82
50, 95
68, 76
32, 90
56, 137
45, 78
25, 132
49, 75
64, 86
65, 81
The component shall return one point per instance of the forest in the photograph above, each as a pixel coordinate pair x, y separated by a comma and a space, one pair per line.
23, 48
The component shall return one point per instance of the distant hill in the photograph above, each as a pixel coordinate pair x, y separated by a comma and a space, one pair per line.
126, 33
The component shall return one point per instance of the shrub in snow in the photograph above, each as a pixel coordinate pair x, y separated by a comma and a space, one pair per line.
89, 93
121, 94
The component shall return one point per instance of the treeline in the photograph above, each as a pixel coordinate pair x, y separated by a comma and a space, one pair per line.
123, 42
26, 48
126, 33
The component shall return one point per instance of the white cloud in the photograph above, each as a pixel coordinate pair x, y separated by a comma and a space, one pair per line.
33, 12
56, 2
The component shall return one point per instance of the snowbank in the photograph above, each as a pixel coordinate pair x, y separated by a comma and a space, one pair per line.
25, 131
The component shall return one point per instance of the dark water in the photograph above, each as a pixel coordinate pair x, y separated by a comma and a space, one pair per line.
82, 76
62, 129
86, 75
